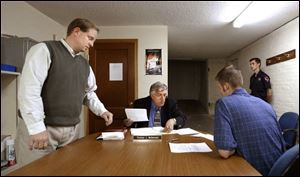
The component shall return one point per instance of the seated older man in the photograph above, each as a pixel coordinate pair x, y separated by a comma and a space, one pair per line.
161, 110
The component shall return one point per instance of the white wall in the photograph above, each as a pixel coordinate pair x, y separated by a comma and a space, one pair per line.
149, 37
20, 19
285, 75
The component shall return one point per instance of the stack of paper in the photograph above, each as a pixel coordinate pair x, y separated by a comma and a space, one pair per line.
159, 130
147, 131
111, 136
154, 133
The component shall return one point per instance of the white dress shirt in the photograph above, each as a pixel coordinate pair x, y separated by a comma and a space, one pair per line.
34, 74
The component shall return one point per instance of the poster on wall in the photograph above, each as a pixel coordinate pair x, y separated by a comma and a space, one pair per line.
153, 62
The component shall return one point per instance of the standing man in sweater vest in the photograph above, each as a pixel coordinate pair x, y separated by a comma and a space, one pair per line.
56, 80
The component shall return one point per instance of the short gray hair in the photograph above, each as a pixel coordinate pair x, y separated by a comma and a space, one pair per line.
158, 86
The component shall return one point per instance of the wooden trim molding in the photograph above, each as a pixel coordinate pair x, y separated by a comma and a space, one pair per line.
281, 57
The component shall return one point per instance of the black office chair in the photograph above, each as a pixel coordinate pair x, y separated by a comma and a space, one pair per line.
287, 163
289, 123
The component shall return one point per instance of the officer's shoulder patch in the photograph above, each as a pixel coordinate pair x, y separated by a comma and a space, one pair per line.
267, 78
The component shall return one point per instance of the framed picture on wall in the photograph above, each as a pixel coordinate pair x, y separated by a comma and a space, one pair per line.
153, 62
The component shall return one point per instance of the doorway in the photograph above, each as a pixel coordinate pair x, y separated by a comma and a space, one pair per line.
188, 80
188, 85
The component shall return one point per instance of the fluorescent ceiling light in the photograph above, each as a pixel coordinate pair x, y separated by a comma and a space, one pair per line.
231, 9
257, 11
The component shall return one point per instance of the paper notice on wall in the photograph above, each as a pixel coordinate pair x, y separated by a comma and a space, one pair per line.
115, 71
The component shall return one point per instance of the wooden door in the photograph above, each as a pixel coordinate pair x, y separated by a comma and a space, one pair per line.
118, 94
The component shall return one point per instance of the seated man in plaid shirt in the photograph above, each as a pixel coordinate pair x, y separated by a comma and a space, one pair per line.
245, 124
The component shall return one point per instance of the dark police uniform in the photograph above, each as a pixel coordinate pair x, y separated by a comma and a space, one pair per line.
259, 85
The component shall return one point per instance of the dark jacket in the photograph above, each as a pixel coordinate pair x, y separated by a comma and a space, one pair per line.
168, 111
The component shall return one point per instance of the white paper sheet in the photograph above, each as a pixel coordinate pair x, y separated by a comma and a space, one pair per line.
189, 147
185, 131
136, 115
207, 136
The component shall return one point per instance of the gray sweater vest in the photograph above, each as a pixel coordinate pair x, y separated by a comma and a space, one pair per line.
63, 91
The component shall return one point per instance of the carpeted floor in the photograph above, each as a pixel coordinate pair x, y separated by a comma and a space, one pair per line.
197, 117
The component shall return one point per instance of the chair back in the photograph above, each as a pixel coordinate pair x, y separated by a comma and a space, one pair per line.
284, 163
289, 123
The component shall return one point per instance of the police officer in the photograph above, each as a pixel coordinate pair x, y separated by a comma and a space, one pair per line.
260, 82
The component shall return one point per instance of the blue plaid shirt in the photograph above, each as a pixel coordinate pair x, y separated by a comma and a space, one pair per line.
248, 125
